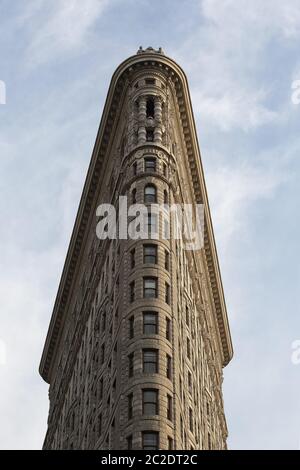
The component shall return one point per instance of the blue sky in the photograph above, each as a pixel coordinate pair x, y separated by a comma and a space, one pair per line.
241, 58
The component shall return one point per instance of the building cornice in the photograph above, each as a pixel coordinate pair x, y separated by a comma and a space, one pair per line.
94, 178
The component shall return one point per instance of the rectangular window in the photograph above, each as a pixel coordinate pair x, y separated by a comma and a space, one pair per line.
150, 402
152, 226
167, 260
167, 293
130, 365
187, 316
150, 164
150, 323
150, 81
168, 329
134, 168
130, 405
150, 440
191, 419
149, 135
101, 389
150, 254
132, 291
131, 327
169, 407
129, 442
190, 381
170, 443
132, 258
209, 441
169, 367
133, 196
150, 287
150, 361
100, 424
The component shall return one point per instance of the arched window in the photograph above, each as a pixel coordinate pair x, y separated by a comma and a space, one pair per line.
150, 193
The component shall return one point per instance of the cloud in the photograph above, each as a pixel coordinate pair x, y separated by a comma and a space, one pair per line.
60, 29
229, 58
234, 108
233, 190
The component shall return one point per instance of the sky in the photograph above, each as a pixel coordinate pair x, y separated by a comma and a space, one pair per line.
242, 59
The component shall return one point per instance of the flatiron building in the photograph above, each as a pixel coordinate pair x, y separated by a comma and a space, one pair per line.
139, 335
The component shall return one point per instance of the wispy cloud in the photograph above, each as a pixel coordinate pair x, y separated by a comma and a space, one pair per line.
230, 52
60, 26
234, 189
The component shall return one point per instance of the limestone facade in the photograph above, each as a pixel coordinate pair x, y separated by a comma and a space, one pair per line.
139, 333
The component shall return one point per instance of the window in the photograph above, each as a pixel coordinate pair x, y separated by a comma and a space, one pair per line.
166, 197
191, 419
150, 81
170, 443
102, 354
130, 365
132, 258
187, 316
150, 287
164, 169
188, 348
134, 168
133, 196
130, 405
150, 164
150, 440
150, 108
150, 323
190, 381
209, 441
169, 407
150, 254
100, 424
150, 402
150, 361
150, 193
167, 260
149, 135
131, 327
101, 389
129, 442
152, 225
167, 293
168, 329
132, 292
169, 367
181, 428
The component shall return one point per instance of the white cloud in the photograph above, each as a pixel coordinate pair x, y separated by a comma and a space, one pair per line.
233, 189
226, 55
233, 108
61, 28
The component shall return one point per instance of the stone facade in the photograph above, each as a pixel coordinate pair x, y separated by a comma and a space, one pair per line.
139, 333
